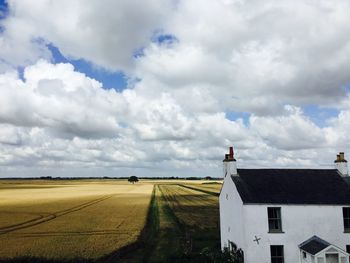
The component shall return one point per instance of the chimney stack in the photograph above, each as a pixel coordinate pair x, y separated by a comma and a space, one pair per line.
231, 152
341, 164
230, 167
338, 158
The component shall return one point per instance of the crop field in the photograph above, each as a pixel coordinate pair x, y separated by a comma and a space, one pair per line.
191, 206
188, 222
208, 188
94, 219
70, 219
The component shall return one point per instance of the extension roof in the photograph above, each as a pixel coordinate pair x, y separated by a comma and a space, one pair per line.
292, 186
314, 245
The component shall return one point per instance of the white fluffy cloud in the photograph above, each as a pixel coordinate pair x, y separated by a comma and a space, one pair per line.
258, 56
263, 59
57, 97
107, 33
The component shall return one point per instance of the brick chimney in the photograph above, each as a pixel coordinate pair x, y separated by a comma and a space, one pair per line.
230, 167
341, 164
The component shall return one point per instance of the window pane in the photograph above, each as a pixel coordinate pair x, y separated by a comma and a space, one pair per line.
346, 217
280, 251
346, 223
278, 224
274, 251
274, 218
277, 254
278, 213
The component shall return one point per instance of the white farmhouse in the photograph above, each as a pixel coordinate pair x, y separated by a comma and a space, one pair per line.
286, 215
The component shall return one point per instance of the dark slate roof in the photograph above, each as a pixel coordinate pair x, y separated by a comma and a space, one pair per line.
292, 186
314, 245
347, 179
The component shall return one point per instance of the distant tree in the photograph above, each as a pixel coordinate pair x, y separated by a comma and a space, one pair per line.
207, 178
133, 179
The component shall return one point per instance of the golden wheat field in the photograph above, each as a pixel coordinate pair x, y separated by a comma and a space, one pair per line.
192, 207
70, 219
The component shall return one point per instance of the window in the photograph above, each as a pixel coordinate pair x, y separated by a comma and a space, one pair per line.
275, 221
277, 255
346, 218
304, 254
348, 250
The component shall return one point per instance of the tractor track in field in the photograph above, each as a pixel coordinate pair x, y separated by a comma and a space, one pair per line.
200, 190
38, 217
50, 216
193, 199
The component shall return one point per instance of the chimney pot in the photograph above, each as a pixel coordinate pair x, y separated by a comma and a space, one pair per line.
231, 152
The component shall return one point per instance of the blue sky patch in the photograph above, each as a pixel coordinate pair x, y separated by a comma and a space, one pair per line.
165, 39
110, 80
160, 39
347, 87
320, 115
20, 71
232, 116
3, 9
3, 13
139, 52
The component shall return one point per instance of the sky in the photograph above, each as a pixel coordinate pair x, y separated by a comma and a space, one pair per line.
164, 87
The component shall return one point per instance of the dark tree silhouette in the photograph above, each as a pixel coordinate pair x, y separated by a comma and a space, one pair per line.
133, 179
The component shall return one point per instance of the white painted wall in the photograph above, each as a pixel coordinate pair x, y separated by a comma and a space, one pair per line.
342, 167
309, 258
231, 215
230, 168
299, 224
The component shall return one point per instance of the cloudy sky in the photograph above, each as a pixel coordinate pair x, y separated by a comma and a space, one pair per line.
163, 87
